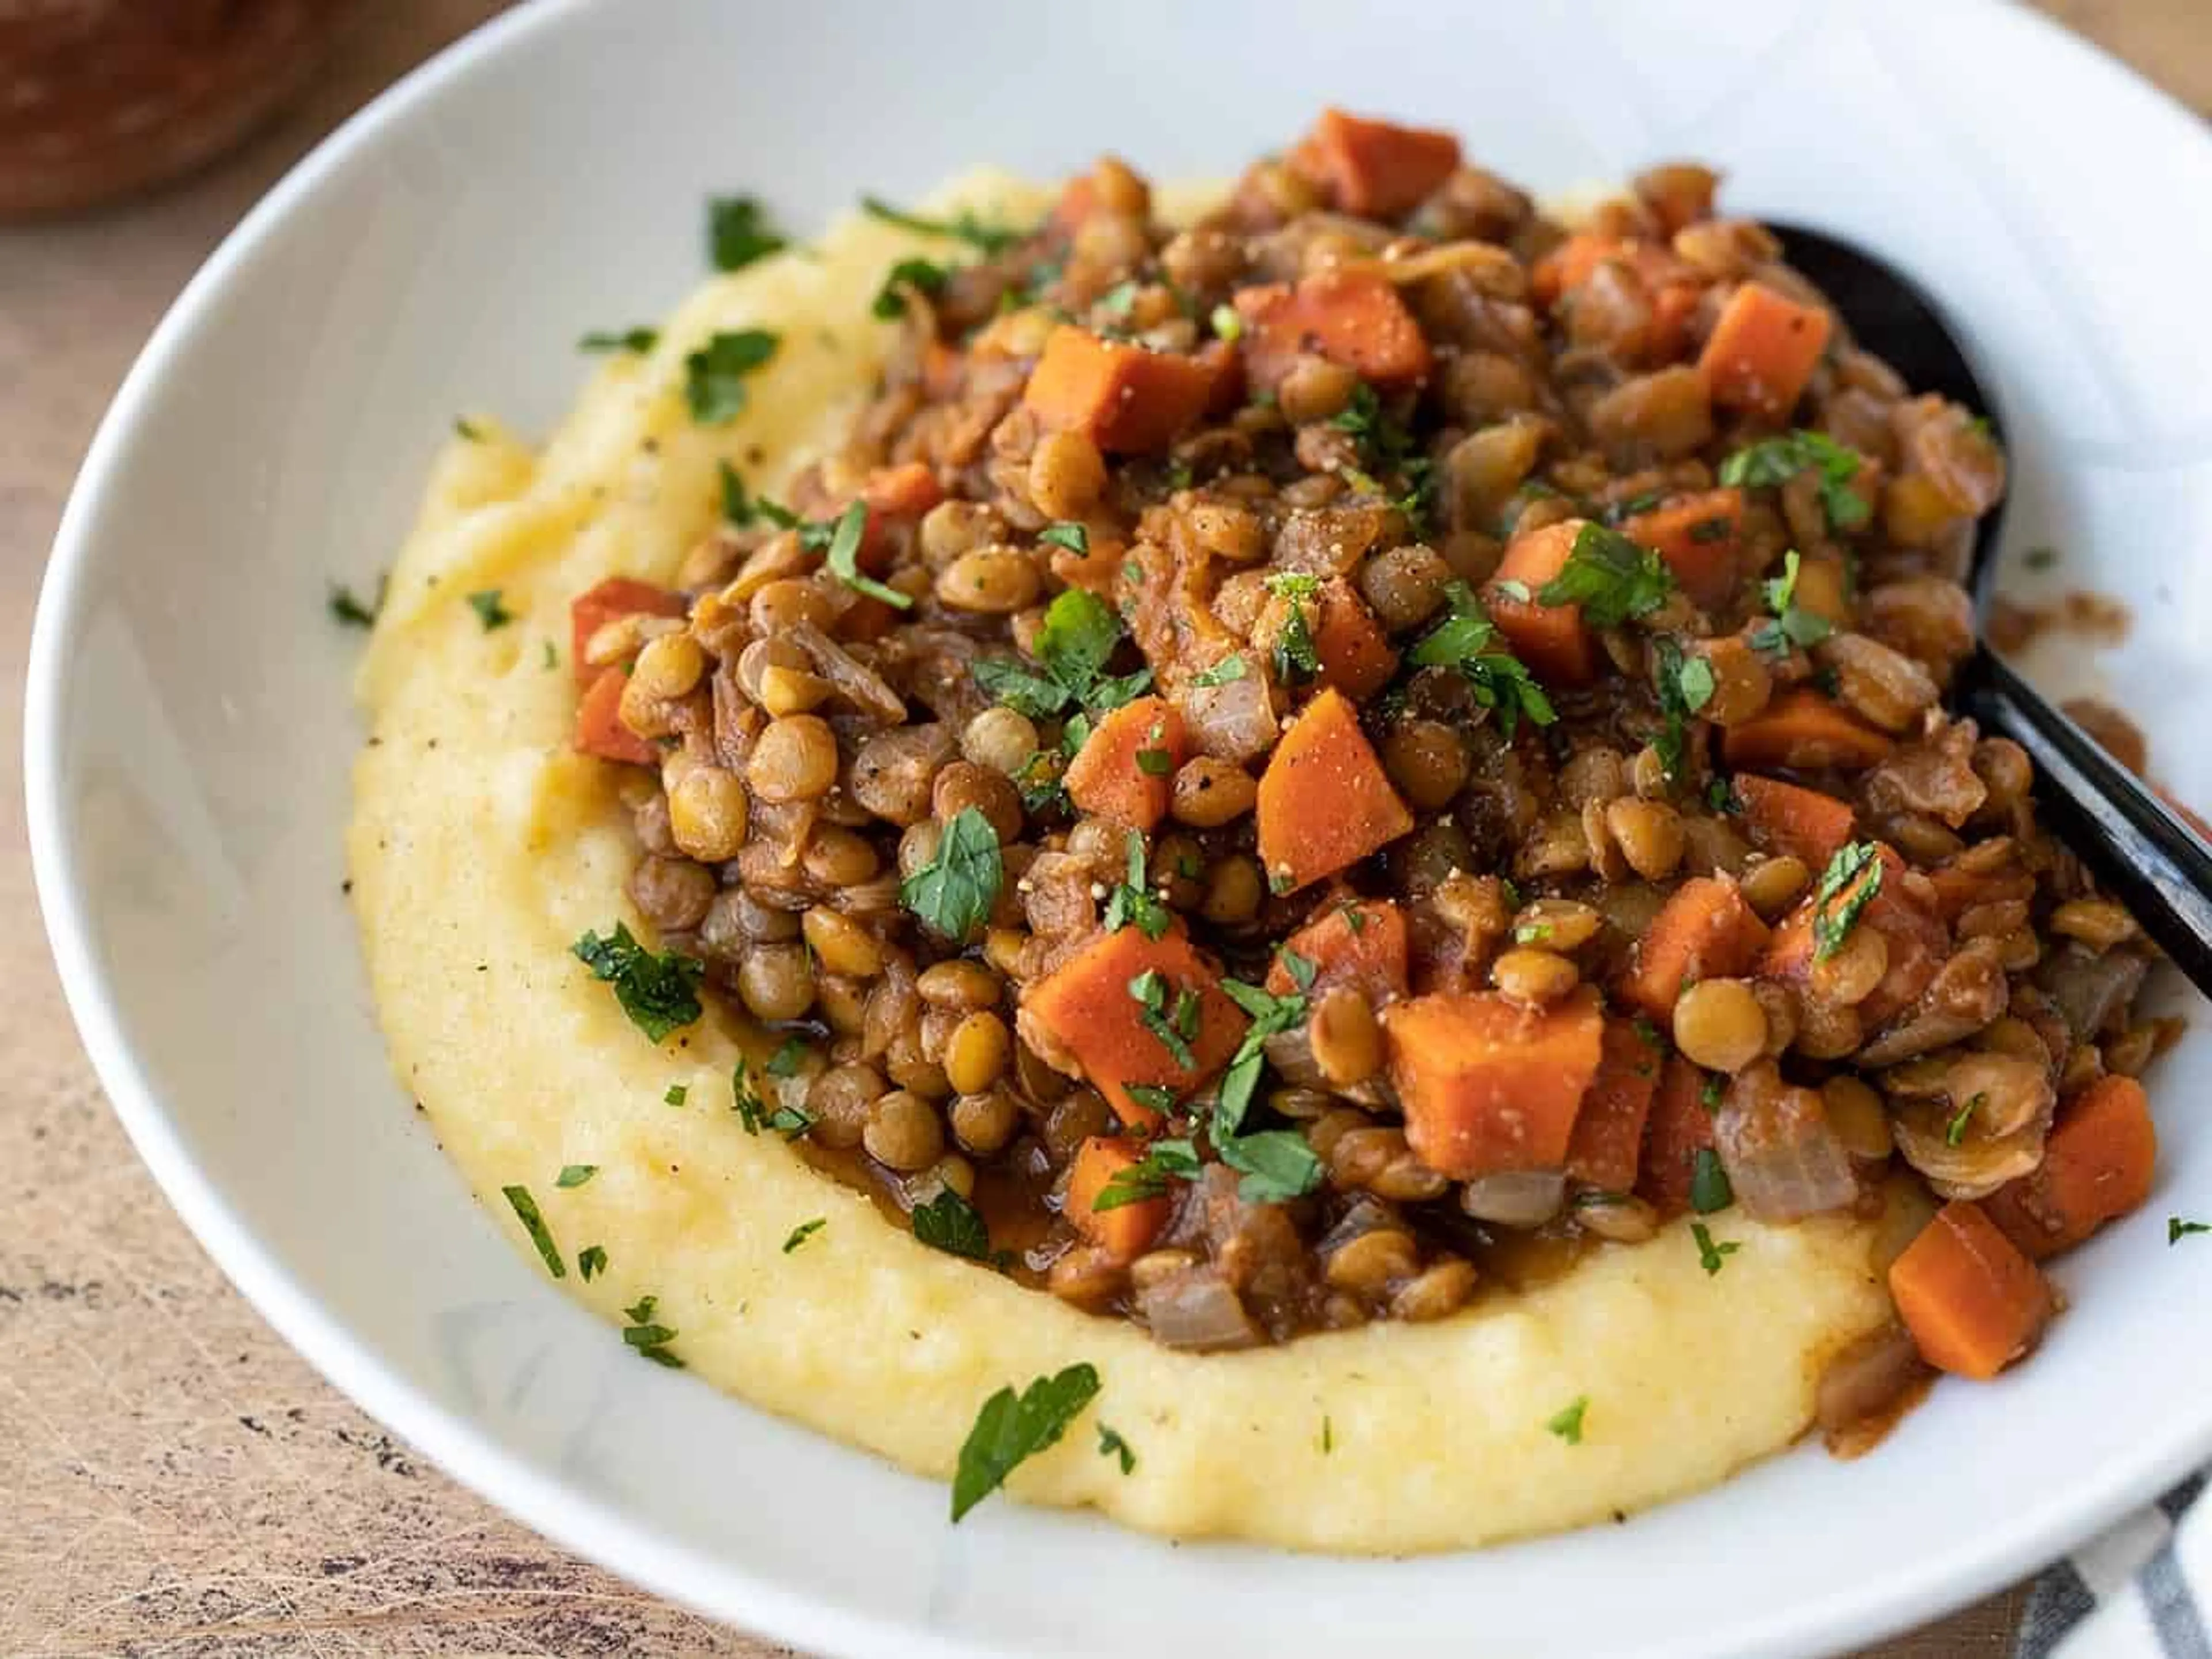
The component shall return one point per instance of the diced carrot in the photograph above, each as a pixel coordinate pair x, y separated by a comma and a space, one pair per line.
1086, 1006
1608, 1144
1355, 653
1554, 641
2096, 1167
1697, 537
1805, 731
1680, 1125
1490, 1084
1129, 400
1124, 1232
1126, 769
1359, 942
1572, 263
599, 729
1372, 169
615, 597
1803, 822
1973, 1302
1915, 940
1704, 931
1355, 320
1324, 803
1077, 199
1762, 350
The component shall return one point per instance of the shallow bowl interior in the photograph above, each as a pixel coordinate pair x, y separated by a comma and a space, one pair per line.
191, 732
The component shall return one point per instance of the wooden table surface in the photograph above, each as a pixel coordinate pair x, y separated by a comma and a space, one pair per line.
173, 1480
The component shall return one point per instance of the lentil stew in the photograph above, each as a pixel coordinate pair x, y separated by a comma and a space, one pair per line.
1300, 768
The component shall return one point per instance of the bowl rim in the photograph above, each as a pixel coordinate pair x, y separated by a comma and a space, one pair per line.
720, 1586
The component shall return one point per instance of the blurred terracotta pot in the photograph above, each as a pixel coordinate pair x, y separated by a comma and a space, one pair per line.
99, 98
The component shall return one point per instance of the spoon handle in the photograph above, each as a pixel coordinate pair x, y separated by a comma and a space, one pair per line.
2141, 852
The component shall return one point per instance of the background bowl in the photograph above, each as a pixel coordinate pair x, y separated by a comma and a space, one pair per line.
190, 733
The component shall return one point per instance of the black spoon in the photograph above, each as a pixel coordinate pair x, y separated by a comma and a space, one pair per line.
2141, 850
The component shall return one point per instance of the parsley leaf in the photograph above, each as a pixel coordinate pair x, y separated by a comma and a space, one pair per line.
1954, 1131
1080, 633
1011, 1428
2177, 1229
1111, 1445
1072, 536
1568, 1424
1131, 901
676, 1095
1710, 1256
1856, 868
1710, 1190
986, 240
714, 374
638, 341
924, 277
489, 610
659, 993
526, 1212
1774, 461
1230, 667
788, 1058
1794, 627
803, 1231
1612, 578
741, 508
843, 558
955, 891
1227, 327
738, 232
1466, 640
1685, 685
349, 611
649, 1339
1149, 991
591, 1263
1297, 658
756, 1115
465, 427
949, 1223
1277, 1164
1164, 1162
575, 1174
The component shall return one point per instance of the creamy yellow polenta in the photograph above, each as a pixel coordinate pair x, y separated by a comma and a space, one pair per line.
482, 847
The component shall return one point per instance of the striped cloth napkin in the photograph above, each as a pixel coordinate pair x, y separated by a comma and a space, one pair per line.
2141, 1591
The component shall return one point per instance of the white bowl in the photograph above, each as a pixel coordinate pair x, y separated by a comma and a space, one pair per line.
191, 732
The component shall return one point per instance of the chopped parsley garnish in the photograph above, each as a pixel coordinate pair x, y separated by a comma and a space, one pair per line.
1710, 1092
1156, 1096
1954, 1131
844, 557
2039, 558
1710, 1188
1011, 1428
1155, 763
1775, 461
1568, 1424
924, 277
2177, 1229
591, 1263
1794, 627
1174, 1024
1710, 1256
955, 891
647, 1337
638, 341
1328, 1437
1164, 1162
1833, 921
1466, 640
1227, 325
468, 429
803, 1231
1721, 796
756, 1115
675, 1095
1685, 685
1302, 971
1118, 301
742, 509
714, 374
575, 1174
350, 611
1296, 657
1230, 667
964, 226
738, 232
1132, 902
526, 1210
1071, 647
490, 611
1277, 1164
950, 1224
788, 1059
1111, 1445
1613, 578
659, 994
1065, 533
552, 658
